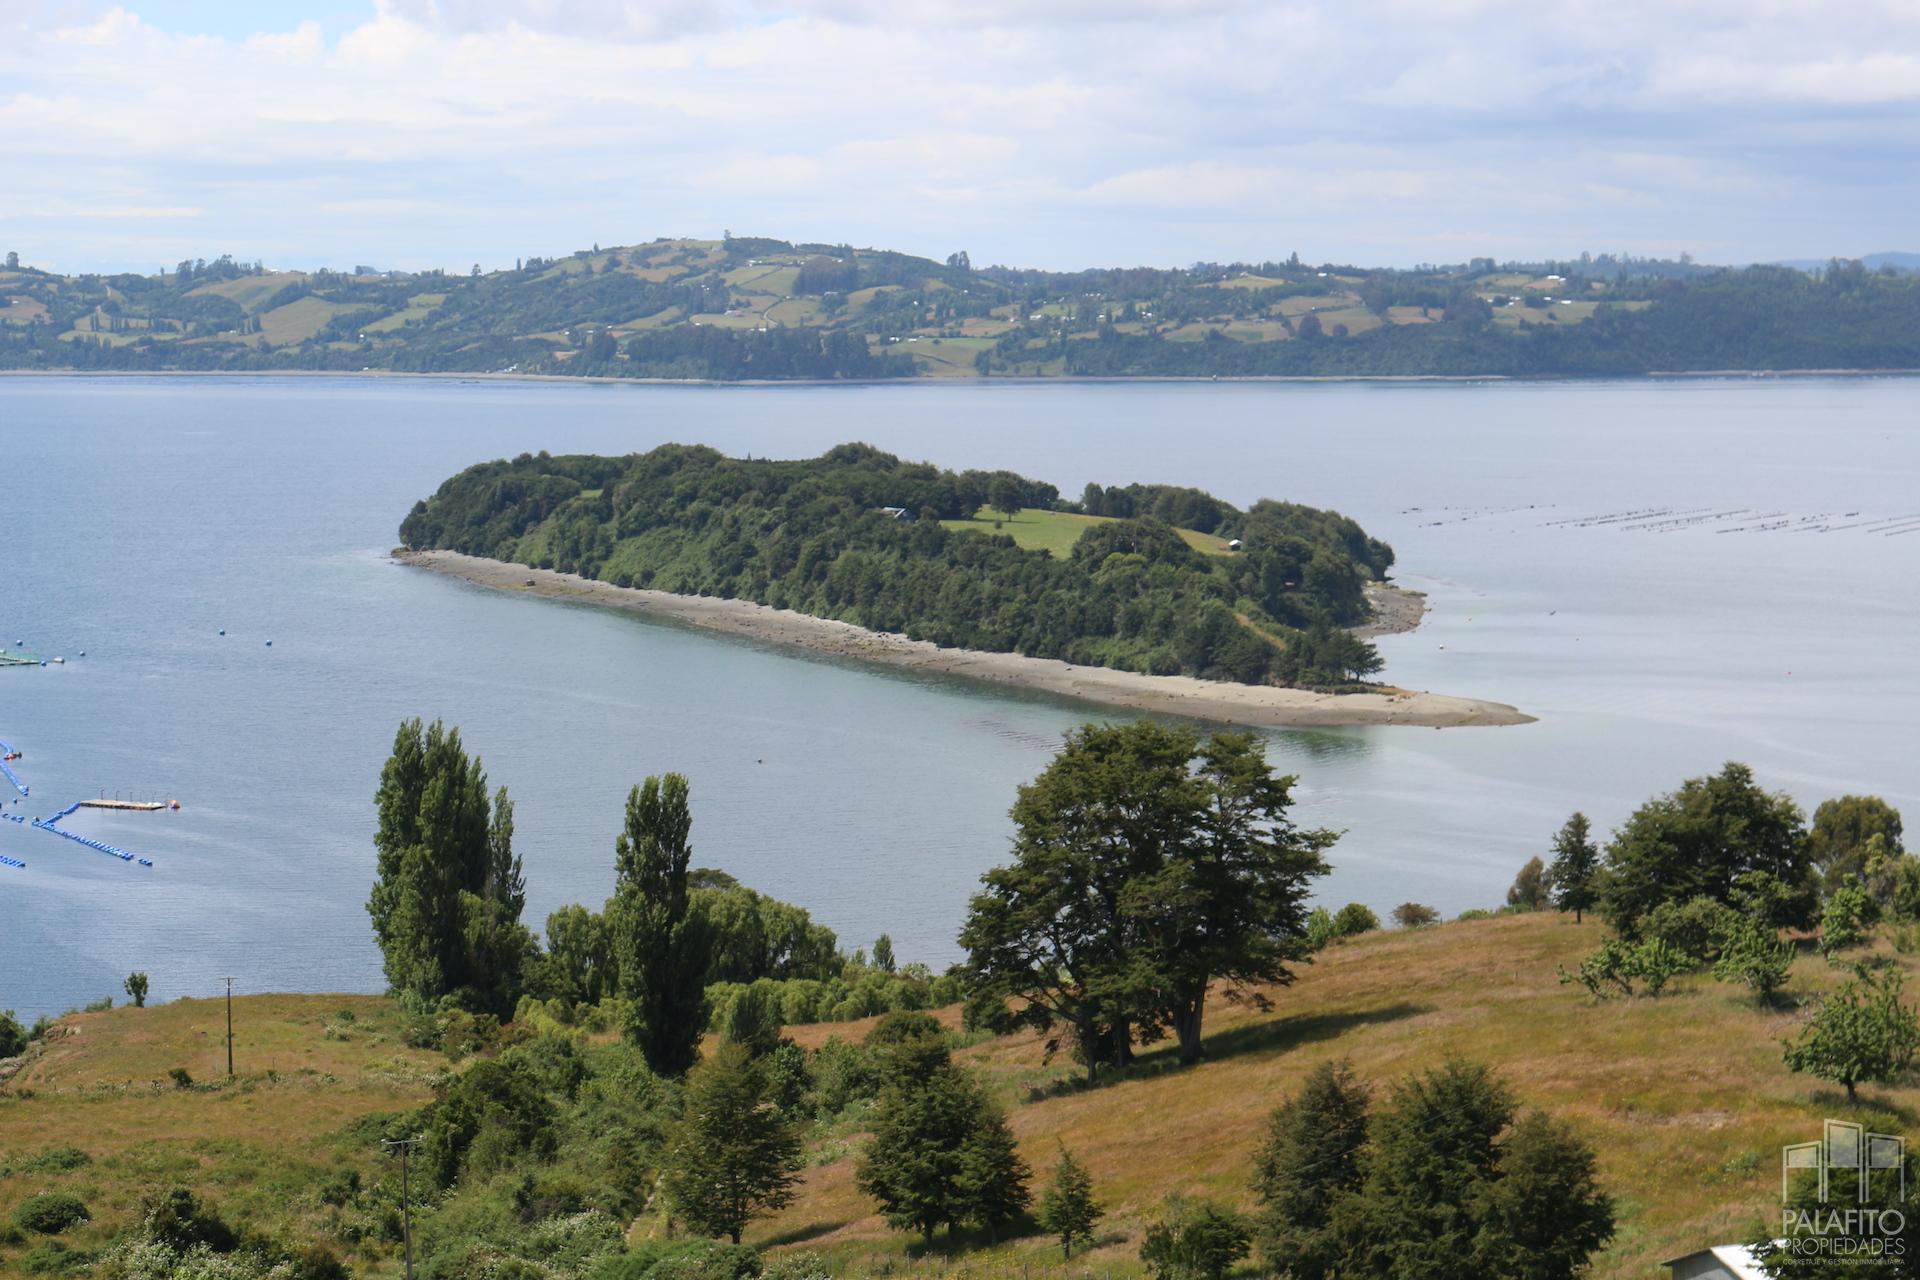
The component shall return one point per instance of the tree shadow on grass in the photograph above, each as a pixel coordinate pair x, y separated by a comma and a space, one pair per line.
800, 1235
1269, 1035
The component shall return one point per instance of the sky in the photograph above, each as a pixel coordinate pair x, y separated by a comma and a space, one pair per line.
1048, 133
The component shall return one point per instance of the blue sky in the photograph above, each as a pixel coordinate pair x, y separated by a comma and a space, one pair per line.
1059, 133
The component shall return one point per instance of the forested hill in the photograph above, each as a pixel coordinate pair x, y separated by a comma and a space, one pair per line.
1142, 577
742, 308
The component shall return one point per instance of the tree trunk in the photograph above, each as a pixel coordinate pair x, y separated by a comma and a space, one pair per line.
1186, 1023
1851, 1096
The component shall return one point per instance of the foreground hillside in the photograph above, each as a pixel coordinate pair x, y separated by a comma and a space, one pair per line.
1684, 1099
746, 308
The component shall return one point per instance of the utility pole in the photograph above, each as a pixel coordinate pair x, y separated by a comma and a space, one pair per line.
406, 1146
229, 1028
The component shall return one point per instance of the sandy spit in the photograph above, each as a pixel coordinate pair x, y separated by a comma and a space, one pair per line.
1210, 700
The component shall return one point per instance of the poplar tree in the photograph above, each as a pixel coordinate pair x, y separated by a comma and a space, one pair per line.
448, 890
662, 945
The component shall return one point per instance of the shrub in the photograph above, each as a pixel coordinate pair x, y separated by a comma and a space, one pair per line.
51, 1213
51, 1258
1755, 956
180, 1078
1693, 928
1355, 919
1195, 1240
1847, 918
1414, 915
681, 1260
13, 1036
1319, 928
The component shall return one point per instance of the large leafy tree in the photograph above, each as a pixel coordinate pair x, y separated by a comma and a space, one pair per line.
734, 1156
1842, 828
1148, 865
941, 1153
661, 944
1716, 837
448, 891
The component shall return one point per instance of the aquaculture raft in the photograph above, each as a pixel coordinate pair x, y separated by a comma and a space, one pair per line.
18, 659
49, 824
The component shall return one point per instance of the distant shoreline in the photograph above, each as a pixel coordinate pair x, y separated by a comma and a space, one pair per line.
1260, 706
1657, 375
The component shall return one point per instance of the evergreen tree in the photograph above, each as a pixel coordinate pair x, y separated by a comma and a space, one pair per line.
1068, 1210
1860, 1032
940, 1153
448, 892
1311, 1159
883, 953
1456, 1190
734, 1155
662, 945
1575, 868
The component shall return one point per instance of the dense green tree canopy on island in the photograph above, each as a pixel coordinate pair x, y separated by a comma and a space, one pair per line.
829, 536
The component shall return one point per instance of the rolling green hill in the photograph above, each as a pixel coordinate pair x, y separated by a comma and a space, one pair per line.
743, 309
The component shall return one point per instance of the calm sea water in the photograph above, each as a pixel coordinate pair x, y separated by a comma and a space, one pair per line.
1668, 575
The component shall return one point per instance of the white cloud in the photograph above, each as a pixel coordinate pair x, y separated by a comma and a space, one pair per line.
1058, 132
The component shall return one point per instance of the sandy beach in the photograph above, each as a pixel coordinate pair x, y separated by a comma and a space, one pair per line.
1215, 701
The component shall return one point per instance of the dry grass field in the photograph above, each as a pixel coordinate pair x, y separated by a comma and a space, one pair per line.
1684, 1098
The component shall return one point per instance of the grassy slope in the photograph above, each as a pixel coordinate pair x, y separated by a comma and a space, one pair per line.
257, 1146
1684, 1098
1057, 531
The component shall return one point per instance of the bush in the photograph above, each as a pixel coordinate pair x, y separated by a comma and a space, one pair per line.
51, 1258
1196, 1240
1353, 920
1414, 915
1693, 928
13, 1036
50, 1214
681, 1260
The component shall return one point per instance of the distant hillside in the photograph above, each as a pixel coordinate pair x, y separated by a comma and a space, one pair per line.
744, 309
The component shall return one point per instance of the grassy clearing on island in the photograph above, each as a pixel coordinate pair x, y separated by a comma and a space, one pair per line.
1057, 531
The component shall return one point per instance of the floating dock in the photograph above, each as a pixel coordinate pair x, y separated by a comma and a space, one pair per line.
18, 659
140, 806
49, 824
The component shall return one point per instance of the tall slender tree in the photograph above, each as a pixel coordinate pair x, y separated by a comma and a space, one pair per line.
662, 944
448, 891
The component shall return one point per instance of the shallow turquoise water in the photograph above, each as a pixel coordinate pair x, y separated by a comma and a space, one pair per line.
139, 517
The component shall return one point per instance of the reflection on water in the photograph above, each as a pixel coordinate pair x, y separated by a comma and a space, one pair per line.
1669, 575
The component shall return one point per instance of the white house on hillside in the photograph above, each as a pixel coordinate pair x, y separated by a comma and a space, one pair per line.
1721, 1262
